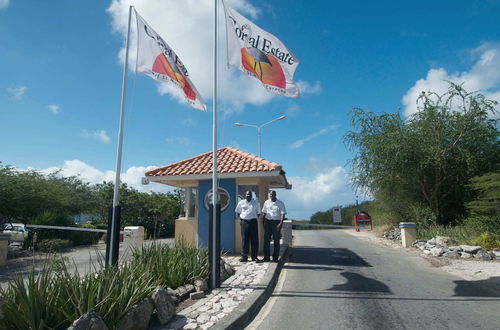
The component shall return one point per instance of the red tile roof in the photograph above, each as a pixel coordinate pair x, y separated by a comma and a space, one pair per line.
230, 160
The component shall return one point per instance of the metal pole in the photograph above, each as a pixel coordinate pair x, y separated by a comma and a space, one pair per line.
213, 240
115, 219
258, 141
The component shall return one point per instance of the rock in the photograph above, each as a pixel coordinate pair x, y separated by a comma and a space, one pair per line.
436, 251
191, 326
203, 318
228, 304
200, 284
496, 254
229, 269
451, 254
470, 248
465, 255
89, 321
164, 305
444, 240
197, 295
427, 252
137, 318
483, 255
455, 248
207, 325
432, 240
429, 245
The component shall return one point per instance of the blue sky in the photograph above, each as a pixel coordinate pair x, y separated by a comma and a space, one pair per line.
61, 72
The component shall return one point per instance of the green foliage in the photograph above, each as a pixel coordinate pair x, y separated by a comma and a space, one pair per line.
173, 266
487, 241
54, 297
487, 188
424, 163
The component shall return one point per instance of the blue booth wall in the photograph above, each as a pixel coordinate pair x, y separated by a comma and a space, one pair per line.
227, 216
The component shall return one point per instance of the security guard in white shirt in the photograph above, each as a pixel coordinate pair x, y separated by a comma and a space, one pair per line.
248, 212
274, 214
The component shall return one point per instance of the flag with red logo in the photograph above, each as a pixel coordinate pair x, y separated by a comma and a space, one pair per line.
156, 59
260, 54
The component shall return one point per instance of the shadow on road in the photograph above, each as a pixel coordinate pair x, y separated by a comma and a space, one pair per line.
359, 283
326, 257
480, 288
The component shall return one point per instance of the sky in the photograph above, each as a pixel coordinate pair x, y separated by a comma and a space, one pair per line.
61, 67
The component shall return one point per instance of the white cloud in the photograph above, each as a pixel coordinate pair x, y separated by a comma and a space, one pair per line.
87, 173
4, 4
292, 110
308, 88
17, 92
96, 135
483, 76
327, 188
192, 40
183, 141
301, 142
54, 108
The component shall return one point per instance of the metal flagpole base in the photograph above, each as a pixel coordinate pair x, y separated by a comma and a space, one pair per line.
214, 249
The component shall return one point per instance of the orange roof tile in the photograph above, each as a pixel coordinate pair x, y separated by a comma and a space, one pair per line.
230, 160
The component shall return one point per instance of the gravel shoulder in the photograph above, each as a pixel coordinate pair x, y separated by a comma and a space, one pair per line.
470, 270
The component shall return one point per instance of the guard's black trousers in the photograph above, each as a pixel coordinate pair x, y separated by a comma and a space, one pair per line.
249, 236
271, 231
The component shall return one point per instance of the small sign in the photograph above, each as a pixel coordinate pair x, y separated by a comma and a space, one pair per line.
337, 215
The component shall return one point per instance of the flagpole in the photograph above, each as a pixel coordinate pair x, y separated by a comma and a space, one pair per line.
115, 219
213, 240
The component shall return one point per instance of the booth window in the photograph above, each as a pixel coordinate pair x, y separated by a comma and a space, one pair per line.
189, 203
242, 189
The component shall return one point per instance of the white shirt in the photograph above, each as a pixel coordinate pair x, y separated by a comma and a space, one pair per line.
273, 210
248, 210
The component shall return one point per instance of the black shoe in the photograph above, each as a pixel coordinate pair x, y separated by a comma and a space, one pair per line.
243, 259
266, 260
275, 260
257, 260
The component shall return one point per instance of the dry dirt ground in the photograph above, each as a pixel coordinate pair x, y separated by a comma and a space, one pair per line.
470, 270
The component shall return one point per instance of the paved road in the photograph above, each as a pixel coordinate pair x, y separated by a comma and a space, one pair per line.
335, 281
81, 259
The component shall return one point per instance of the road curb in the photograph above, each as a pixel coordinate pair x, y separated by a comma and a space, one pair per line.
244, 313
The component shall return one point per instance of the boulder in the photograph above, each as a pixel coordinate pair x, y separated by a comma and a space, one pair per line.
483, 255
455, 248
164, 305
470, 248
465, 255
496, 254
437, 251
444, 240
200, 284
137, 318
88, 321
451, 254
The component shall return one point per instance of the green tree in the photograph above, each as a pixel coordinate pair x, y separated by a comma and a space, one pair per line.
426, 161
487, 188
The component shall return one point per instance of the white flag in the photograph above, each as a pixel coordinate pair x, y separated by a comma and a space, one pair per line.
157, 60
260, 54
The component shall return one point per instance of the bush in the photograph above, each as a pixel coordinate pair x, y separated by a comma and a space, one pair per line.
487, 241
53, 245
173, 266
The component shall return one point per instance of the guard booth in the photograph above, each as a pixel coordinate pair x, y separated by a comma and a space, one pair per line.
238, 172
362, 219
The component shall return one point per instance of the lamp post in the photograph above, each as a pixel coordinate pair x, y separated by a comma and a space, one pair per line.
259, 129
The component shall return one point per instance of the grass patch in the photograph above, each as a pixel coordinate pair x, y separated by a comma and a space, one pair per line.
53, 298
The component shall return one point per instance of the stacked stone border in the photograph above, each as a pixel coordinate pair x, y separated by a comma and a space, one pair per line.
441, 246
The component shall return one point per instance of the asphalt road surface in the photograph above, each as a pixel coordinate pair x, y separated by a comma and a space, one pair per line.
336, 281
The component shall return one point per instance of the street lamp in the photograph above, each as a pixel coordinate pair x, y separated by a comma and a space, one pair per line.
259, 128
